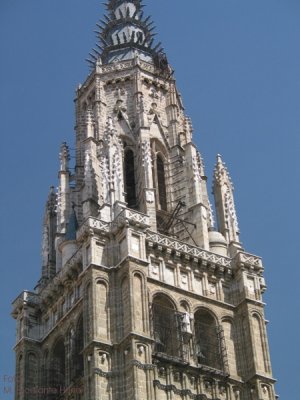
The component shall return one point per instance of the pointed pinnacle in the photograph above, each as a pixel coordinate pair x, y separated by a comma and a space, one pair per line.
219, 159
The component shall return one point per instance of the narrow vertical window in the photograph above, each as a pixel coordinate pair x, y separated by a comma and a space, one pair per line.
77, 365
130, 188
58, 364
161, 183
19, 382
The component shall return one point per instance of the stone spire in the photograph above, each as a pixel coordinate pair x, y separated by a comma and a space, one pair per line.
63, 208
49, 232
124, 32
224, 200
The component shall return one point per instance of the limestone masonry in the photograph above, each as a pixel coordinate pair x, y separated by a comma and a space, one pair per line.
142, 296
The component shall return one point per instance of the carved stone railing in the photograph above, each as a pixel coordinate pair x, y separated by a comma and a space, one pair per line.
130, 217
93, 225
249, 260
124, 65
187, 249
120, 66
26, 297
147, 66
125, 217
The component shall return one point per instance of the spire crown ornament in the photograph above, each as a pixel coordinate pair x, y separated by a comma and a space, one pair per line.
123, 33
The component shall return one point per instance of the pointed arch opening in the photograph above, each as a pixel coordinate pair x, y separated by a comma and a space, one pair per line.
208, 340
167, 328
77, 348
161, 182
58, 366
129, 173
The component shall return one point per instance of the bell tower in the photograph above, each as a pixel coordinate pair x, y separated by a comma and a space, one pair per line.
142, 296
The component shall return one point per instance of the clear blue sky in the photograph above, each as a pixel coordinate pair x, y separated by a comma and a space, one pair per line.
237, 66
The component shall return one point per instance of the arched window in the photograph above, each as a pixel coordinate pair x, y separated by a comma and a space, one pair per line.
58, 366
208, 340
129, 173
166, 324
161, 182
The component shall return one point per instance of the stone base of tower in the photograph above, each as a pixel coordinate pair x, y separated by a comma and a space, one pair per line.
135, 314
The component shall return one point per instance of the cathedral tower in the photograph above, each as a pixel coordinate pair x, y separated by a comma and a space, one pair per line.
141, 296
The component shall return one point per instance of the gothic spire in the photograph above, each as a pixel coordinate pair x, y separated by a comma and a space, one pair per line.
224, 199
123, 32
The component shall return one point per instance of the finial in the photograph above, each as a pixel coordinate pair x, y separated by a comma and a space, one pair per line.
221, 174
224, 199
64, 157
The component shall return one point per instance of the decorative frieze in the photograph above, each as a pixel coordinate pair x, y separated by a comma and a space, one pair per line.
184, 249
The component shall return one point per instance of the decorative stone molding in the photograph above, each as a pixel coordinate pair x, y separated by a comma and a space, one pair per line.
154, 238
145, 367
121, 66
249, 261
130, 217
25, 298
180, 392
92, 225
109, 374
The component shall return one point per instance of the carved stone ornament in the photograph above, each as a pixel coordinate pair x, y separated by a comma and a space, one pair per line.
145, 367
185, 392
149, 196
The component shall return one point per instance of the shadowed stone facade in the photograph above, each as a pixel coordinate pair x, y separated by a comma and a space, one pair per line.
141, 296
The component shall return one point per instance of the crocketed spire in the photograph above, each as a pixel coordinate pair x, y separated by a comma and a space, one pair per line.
125, 31
224, 199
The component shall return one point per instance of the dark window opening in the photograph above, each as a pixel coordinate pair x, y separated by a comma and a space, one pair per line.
208, 341
161, 183
130, 186
77, 347
57, 370
167, 331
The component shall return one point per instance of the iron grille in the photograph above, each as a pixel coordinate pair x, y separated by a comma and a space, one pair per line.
209, 343
167, 332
